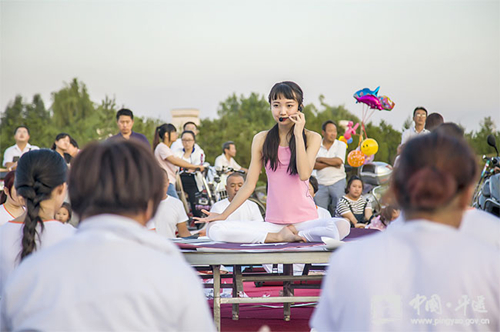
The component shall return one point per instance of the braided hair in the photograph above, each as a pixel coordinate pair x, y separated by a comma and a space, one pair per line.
38, 173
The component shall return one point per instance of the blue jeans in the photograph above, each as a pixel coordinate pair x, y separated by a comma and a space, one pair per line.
171, 191
328, 196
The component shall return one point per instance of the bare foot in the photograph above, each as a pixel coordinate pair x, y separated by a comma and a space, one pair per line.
296, 232
293, 229
287, 235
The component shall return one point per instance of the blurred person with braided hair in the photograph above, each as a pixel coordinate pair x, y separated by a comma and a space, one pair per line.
41, 185
113, 274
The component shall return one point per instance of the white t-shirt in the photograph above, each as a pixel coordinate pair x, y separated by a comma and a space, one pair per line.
482, 226
411, 132
112, 275
330, 175
5, 215
323, 213
410, 278
246, 212
162, 152
222, 161
197, 157
10, 243
15, 151
476, 224
170, 213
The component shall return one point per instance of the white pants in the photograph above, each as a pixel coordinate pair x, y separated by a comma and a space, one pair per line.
256, 231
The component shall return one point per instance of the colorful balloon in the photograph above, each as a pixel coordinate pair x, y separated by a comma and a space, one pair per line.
342, 139
350, 130
369, 146
365, 92
386, 102
349, 141
355, 158
372, 101
369, 159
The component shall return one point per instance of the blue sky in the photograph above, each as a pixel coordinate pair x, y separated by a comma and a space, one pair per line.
154, 56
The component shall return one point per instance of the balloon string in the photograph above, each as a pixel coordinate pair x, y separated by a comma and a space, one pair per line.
369, 116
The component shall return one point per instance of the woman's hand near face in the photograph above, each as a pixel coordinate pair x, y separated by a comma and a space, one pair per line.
299, 120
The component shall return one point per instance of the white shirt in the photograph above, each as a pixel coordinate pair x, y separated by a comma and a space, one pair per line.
15, 151
112, 275
411, 132
197, 157
330, 175
482, 226
170, 213
420, 270
222, 161
323, 213
248, 211
177, 145
476, 224
10, 243
5, 215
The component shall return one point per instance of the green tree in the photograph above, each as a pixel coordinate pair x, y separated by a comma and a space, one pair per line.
74, 113
240, 118
478, 139
33, 115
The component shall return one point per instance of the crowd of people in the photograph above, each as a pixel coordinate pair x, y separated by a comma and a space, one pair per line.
117, 270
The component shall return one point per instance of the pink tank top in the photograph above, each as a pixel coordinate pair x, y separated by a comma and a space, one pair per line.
288, 198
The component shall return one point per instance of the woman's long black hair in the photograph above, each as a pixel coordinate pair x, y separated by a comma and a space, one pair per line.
160, 132
289, 90
38, 173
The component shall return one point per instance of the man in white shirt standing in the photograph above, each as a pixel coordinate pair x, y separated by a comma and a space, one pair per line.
247, 211
330, 168
226, 159
419, 118
13, 153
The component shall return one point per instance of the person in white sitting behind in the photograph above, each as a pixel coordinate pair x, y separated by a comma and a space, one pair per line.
247, 211
426, 274
170, 216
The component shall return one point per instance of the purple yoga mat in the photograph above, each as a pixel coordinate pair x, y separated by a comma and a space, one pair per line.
355, 234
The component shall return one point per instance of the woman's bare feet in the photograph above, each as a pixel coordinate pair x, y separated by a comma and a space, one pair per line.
285, 235
296, 232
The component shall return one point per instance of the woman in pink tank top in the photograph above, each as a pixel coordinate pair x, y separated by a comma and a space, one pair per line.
288, 152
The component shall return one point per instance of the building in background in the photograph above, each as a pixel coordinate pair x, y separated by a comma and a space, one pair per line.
182, 115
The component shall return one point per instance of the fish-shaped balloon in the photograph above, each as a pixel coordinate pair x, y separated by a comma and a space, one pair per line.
365, 92
372, 101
